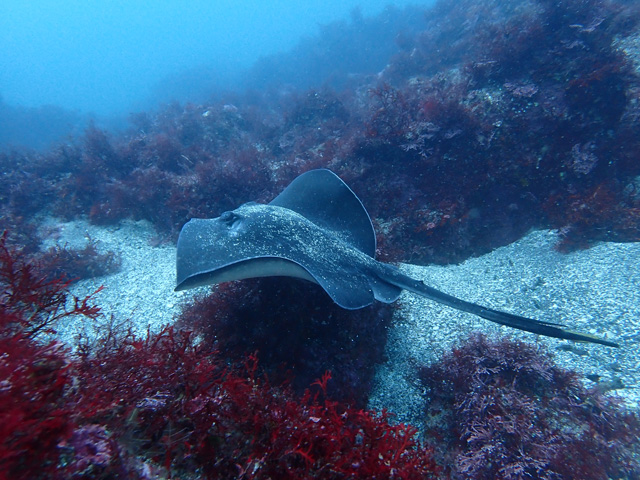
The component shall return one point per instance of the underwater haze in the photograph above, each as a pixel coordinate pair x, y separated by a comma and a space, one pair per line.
111, 57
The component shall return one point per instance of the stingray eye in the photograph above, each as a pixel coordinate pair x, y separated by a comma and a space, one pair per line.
232, 220
228, 218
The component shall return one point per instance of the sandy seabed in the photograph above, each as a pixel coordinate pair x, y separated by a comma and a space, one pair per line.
595, 291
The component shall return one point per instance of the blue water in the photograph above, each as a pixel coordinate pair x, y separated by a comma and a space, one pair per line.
113, 57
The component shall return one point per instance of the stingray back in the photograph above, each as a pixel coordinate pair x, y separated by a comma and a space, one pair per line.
253, 232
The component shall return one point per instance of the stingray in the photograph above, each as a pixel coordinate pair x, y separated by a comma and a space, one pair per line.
318, 230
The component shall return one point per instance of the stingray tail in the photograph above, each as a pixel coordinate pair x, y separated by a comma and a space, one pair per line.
510, 320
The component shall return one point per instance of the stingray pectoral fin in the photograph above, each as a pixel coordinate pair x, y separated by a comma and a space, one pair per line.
510, 320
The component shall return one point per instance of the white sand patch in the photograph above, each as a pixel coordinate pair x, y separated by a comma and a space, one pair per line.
141, 293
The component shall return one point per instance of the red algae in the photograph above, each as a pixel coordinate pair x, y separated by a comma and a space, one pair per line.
168, 405
503, 409
189, 412
297, 331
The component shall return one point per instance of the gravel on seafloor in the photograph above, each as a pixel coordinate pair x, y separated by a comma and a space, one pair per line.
595, 291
